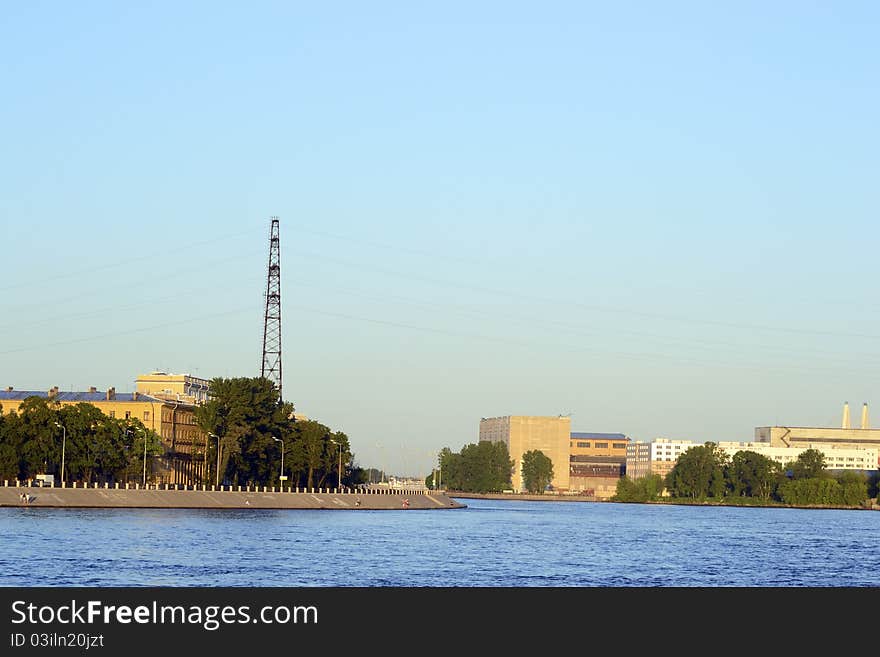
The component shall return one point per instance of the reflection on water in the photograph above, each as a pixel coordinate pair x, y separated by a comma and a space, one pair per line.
491, 543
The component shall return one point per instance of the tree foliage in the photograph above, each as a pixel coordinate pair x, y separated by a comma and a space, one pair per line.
699, 473
753, 475
640, 489
810, 464
247, 416
537, 471
482, 467
94, 448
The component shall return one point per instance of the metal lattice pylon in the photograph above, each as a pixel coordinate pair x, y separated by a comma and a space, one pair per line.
272, 320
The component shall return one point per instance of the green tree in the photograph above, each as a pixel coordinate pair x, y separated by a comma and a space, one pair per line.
10, 447
537, 471
641, 489
854, 487
482, 467
699, 473
809, 464
247, 415
753, 475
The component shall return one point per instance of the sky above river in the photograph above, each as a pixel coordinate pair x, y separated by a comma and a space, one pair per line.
658, 218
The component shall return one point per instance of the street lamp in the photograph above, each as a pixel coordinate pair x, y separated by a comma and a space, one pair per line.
217, 473
63, 445
339, 469
145, 456
281, 476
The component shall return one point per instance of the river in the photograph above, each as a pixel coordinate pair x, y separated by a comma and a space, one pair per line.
492, 543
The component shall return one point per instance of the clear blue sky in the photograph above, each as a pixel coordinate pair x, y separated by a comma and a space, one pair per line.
658, 217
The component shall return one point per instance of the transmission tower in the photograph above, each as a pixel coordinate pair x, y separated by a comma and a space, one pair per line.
272, 322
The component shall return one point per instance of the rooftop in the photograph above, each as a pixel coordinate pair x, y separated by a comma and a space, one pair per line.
18, 395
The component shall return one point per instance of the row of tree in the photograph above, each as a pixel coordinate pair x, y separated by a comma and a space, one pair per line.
486, 467
254, 428
92, 447
706, 472
482, 467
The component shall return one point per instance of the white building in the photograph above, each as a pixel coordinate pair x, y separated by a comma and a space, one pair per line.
655, 457
836, 457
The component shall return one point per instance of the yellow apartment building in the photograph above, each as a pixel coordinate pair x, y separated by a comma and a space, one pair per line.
173, 421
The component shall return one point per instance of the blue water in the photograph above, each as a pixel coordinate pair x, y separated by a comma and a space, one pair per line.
491, 543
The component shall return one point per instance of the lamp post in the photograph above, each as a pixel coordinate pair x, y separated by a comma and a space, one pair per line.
281, 475
145, 458
339, 469
217, 473
63, 445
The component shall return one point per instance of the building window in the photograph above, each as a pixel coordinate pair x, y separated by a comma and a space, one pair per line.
601, 445
112, 414
583, 444
619, 445
127, 415
146, 416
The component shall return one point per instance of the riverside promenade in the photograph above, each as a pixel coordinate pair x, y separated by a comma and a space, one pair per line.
225, 497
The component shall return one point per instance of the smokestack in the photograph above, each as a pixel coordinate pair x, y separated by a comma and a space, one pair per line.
865, 416
845, 424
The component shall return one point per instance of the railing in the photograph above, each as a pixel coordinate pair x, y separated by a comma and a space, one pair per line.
345, 490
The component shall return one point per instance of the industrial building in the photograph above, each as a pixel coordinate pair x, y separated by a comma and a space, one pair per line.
172, 420
846, 436
596, 462
524, 433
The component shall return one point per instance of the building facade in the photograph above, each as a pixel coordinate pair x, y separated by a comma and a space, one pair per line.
181, 387
656, 457
594, 459
836, 457
183, 461
524, 433
802, 436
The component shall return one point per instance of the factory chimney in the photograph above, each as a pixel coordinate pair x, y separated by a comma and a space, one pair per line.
845, 424
865, 416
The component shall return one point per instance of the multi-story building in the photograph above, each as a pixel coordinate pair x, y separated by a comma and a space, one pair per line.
524, 433
180, 387
173, 421
656, 457
836, 457
596, 462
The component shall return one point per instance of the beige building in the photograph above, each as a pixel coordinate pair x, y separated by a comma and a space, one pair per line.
596, 462
799, 436
836, 457
524, 433
179, 387
656, 457
845, 436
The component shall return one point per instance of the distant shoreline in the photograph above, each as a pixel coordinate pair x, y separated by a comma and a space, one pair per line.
678, 502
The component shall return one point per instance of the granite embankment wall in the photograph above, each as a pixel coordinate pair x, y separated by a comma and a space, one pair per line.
153, 498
